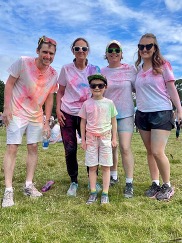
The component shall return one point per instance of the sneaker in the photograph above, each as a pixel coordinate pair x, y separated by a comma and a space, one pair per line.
92, 198
128, 191
104, 199
153, 190
72, 189
31, 191
113, 181
165, 193
98, 187
8, 199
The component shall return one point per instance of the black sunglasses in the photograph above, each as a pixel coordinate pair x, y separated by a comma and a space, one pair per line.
83, 48
148, 46
100, 86
116, 50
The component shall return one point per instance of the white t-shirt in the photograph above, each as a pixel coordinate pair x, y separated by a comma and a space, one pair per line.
98, 114
120, 81
76, 86
151, 91
31, 88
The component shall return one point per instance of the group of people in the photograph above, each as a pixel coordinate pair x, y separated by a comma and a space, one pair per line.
98, 105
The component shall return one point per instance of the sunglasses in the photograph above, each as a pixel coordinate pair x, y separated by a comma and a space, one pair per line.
148, 46
45, 39
100, 86
112, 50
83, 48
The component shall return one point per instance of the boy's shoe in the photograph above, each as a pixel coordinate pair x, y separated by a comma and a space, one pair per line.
113, 181
104, 199
98, 187
153, 190
92, 198
8, 199
32, 191
165, 193
72, 189
128, 191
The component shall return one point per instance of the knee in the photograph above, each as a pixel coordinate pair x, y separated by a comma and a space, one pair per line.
32, 148
12, 149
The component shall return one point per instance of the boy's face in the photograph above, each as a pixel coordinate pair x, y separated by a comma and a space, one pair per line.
97, 87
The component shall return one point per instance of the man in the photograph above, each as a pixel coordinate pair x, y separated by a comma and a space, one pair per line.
31, 83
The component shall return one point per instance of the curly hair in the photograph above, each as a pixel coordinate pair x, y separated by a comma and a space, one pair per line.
157, 58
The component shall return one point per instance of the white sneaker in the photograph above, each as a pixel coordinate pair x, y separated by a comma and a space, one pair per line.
8, 199
32, 191
72, 189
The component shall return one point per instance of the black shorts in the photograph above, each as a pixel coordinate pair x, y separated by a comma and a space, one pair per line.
162, 120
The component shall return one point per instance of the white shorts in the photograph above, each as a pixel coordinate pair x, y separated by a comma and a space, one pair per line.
99, 150
125, 124
19, 126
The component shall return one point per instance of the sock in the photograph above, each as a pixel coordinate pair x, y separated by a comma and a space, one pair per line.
93, 192
28, 183
156, 181
114, 174
104, 193
129, 180
9, 189
168, 183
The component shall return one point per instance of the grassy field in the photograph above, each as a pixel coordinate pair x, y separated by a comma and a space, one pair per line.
57, 218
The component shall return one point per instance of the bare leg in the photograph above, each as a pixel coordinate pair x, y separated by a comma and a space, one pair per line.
32, 158
115, 159
106, 178
9, 163
93, 177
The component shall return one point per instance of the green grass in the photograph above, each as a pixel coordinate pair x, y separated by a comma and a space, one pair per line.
57, 218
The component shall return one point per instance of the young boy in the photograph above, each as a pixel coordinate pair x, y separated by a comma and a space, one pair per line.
98, 134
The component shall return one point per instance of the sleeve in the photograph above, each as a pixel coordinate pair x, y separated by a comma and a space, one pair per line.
62, 77
168, 72
82, 112
15, 69
113, 110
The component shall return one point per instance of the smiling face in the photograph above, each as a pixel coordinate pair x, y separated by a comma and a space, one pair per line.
97, 87
115, 56
46, 55
146, 53
81, 54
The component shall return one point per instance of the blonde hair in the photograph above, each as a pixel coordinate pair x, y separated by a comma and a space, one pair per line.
157, 58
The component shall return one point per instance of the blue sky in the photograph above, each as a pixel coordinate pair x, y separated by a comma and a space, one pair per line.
99, 21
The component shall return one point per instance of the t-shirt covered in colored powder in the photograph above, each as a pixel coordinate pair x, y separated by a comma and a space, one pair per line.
76, 86
98, 114
119, 90
151, 91
31, 88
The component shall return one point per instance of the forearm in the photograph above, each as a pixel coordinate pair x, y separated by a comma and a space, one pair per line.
48, 107
114, 128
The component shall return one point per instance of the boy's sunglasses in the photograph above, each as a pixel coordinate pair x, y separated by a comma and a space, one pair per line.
116, 50
148, 46
100, 86
83, 48
45, 39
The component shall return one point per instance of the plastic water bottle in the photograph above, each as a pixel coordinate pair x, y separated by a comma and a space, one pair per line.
47, 186
45, 140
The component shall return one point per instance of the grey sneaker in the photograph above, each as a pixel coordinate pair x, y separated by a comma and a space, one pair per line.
104, 199
8, 199
113, 181
32, 191
128, 191
72, 189
165, 193
92, 198
153, 190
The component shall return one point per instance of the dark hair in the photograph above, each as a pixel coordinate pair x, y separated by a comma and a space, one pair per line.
78, 39
157, 58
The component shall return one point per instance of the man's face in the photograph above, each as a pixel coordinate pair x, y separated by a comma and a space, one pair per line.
46, 54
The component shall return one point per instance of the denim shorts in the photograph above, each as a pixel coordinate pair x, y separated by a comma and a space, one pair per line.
162, 120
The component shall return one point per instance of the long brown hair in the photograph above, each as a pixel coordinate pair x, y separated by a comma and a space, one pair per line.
157, 58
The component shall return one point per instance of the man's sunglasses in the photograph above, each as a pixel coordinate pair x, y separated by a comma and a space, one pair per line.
45, 39
116, 50
148, 46
100, 86
78, 48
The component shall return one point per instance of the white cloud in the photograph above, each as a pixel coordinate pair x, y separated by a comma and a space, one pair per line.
173, 5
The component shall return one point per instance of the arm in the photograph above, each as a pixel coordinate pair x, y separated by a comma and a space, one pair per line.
7, 113
48, 112
172, 91
59, 96
114, 131
83, 132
